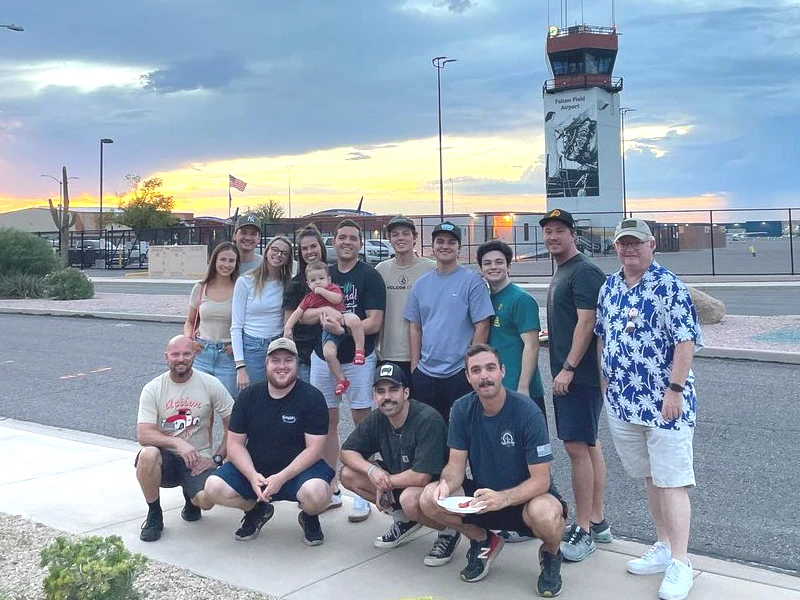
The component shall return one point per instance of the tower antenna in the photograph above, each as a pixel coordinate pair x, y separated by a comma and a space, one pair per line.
613, 14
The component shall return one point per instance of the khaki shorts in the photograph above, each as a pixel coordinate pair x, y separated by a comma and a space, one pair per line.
666, 455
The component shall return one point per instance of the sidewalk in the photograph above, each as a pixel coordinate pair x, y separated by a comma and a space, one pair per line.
85, 484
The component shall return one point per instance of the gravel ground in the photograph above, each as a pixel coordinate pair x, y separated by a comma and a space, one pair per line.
735, 331
21, 541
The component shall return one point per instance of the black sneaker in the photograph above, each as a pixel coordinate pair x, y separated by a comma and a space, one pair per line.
549, 584
253, 520
399, 533
152, 527
480, 557
442, 550
190, 512
312, 532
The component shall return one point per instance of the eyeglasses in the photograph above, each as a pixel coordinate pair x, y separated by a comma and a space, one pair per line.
629, 245
278, 252
631, 324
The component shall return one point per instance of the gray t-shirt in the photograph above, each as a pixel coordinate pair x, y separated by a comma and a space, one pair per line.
249, 266
447, 306
575, 286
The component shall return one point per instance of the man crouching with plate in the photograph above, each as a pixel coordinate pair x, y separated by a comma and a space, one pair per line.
504, 436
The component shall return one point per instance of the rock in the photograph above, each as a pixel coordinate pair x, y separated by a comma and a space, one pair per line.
709, 309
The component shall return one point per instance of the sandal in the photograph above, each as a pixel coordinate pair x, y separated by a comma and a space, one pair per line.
359, 358
341, 387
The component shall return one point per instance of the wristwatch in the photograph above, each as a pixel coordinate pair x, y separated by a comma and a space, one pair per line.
675, 387
217, 458
568, 367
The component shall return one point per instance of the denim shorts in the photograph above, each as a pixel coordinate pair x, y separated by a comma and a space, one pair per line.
234, 478
255, 356
213, 359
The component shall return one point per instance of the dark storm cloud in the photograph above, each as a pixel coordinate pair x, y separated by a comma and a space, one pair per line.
456, 6
195, 74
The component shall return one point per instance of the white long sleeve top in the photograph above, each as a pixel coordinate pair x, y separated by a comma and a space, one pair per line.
259, 316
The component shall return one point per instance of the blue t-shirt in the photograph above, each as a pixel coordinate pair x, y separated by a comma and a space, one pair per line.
447, 306
640, 327
500, 447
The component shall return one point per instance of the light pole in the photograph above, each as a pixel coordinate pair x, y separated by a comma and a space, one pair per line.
289, 169
60, 187
439, 62
103, 142
11, 27
622, 113
452, 200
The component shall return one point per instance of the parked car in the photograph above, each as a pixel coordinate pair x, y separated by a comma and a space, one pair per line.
377, 250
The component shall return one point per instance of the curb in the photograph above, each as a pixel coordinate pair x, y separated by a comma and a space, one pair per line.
791, 358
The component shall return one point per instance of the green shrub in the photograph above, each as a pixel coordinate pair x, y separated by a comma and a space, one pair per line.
68, 284
25, 253
17, 285
93, 568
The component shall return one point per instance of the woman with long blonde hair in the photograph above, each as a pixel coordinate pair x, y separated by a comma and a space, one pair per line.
257, 317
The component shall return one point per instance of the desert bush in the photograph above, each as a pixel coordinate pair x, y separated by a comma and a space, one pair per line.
17, 285
25, 253
68, 284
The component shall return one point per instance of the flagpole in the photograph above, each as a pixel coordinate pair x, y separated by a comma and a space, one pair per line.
230, 201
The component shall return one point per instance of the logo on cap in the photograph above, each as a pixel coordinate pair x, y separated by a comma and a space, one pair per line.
386, 371
629, 224
555, 213
250, 219
447, 226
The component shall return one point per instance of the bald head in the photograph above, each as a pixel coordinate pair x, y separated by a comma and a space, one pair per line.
180, 342
180, 358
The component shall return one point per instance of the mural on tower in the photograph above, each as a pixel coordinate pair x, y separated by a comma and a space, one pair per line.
571, 142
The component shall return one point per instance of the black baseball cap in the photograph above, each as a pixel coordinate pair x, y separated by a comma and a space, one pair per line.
401, 220
447, 227
558, 214
391, 372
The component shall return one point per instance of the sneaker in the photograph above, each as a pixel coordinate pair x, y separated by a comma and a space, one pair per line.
336, 500
442, 550
678, 580
360, 510
655, 560
399, 533
549, 584
578, 545
312, 532
190, 512
601, 532
152, 527
480, 557
515, 537
253, 520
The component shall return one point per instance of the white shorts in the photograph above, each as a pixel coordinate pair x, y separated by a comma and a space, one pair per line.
359, 394
666, 455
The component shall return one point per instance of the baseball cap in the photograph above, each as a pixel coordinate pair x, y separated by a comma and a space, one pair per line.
634, 228
558, 214
401, 220
391, 372
282, 343
248, 219
447, 227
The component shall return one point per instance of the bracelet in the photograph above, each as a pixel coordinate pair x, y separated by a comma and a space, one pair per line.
240, 367
370, 469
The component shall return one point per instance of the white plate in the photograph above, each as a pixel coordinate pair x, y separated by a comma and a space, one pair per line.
451, 504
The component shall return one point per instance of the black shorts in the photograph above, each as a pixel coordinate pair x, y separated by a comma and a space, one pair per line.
174, 473
509, 518
440, 393
578, 414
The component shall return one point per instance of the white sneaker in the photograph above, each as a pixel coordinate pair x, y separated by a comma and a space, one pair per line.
678, 580
336, 500
655, 560
360, 510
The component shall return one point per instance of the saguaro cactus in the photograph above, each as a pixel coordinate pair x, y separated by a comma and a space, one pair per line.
62, 218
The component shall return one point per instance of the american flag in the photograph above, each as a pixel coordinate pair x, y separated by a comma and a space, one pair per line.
236, 183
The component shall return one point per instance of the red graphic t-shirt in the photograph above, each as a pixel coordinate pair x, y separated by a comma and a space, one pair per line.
312, 300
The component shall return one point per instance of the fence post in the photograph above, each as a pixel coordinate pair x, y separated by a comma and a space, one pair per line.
711, 221
791, 245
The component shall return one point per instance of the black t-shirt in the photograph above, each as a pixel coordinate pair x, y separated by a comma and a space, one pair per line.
276, 428
420, 444
500, 448
575, 285
363, 290
306, 337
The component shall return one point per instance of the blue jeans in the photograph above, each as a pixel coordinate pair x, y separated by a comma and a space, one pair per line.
255, 356
304, 372
213, 360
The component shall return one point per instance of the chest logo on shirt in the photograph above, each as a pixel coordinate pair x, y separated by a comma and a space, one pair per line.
404, 458
180, 421
289, 419
402, 280
507, 439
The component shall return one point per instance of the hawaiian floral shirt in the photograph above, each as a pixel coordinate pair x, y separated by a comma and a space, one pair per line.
640, 327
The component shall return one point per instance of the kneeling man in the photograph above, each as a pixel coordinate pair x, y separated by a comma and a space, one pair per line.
275, 444
174, 429
412, 440
504, 437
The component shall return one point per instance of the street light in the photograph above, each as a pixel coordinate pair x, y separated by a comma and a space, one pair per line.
11, 27
289, 168
103, 141
439, 62
60, 187
622, 113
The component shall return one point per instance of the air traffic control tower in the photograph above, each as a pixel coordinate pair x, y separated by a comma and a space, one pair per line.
582, 123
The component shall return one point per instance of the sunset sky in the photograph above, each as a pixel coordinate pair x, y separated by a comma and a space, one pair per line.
345, 93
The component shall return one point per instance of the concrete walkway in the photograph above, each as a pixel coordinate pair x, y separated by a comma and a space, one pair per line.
85, 484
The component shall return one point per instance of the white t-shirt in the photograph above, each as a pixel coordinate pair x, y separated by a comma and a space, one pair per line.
184, 409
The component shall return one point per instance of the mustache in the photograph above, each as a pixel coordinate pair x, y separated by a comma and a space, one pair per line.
486, 383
